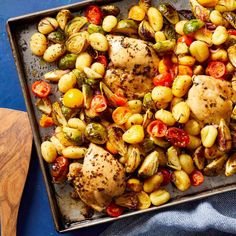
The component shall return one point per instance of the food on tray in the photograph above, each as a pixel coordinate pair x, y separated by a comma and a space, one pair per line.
144, 101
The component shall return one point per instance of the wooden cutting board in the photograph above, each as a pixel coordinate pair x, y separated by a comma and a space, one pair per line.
15, 153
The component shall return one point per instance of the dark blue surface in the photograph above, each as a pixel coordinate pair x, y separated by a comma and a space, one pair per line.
34, 217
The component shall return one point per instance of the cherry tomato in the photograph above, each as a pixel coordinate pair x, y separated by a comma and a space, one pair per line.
177, 137
119, 100
94, 14
114, 210
166, 176
59, 169
46, 121
99, 103
157, 128
216, 69
196, 178
73, 98
232, 32
121, 114
185, 39
102, 59
41, 89
163, 80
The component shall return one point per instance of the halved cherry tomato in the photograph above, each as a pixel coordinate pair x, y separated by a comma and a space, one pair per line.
119, 100
177, 137
157, 129
99, 103
216, 69
46, 121
102, 59
114, 210
163, 80
59, 169
121, 114
41, 88
94, 14
166, 176
185, 70
185, 39
196, 178
232, 32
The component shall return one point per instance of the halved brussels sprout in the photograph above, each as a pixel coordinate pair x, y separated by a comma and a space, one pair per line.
63, 17
230, 167
91, 74
110, 10
127, 27
74, 135
56, 37
147, 118
58, 117
164, 46
192, 26
145, 31
133, 159
80, 77
96, 133
88, 95
68, 112
224, 137
108, 93
173, 159
149, 166
92, 28
75, 25
230, 17
187, 14
169, 12
77, 42
199, 11
216, 166
147, 145
128, 200
44, 105
67, 61
169, 32
198, 158
148, 103
212, 152
55, 75
232, 54
145, 4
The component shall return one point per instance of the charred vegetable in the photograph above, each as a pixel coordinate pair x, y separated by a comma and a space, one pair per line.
69, 112
55, 75
73, 135
110, 10
187, 14
148, 103
224, 137
63, 17
231, 18
88, 95
128, 200
127, 27
58, 117
67, 61
147, 145
173, 159
96, 133
133, 159
212, 152
75, 25
164, 46
169, 32
145, 31
199, 11
44, 105
230, 167
169, 12
192, 26
92, 28
56, 37
198, 158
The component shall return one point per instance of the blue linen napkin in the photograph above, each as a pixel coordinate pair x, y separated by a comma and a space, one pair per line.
214, 215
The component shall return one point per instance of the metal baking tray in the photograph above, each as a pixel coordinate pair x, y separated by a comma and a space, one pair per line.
68, 214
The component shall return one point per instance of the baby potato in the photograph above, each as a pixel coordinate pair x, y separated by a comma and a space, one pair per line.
74, 152
216, 18
208, 135
199, 50
179, 27
162, 94
38, 44
230, 68
220, 35
135, 106
186, 60
98, 42
53, 52
165, 116
181, 85
47, 25
66, 82
192, 127
155, 18
136, 13
58, 145
98, 68
186, 163
181, 180
175, 101
194, 142
109, 23
76, 123
160, 36
162, 158
208, 3
198, 70
83, 60
161, 105
48, 151
134, 185
135, 134
219, 55
144, 200
135, 119
181, 112
159, 197
153, 182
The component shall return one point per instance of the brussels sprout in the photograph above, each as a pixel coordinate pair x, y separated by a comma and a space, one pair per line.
55, 75
199, 11
88, 95
128, 200
145, 4
231, 40
231, 18
169, 12
67, 61
147, 145
147, 118
230, 167
127, 27
148, 103
187, 14
133, 159
96, 133
110, 10
145, 31
44, 105
198, 158
173, 159
169, 32
92, 28
56, 37
80, 77
232, 54
77, 42
108, 93
92, 82
58, 117
216, 166
115, 134
75, 25
47, 25
91, 74
224, 137
192, 26
164, 46
212, 152
73, 135
149, 166
69, 112
63, 17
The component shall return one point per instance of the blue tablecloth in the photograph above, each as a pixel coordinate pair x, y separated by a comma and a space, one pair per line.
210, 216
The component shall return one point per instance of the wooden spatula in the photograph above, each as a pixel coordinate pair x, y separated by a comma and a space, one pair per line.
15, 152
